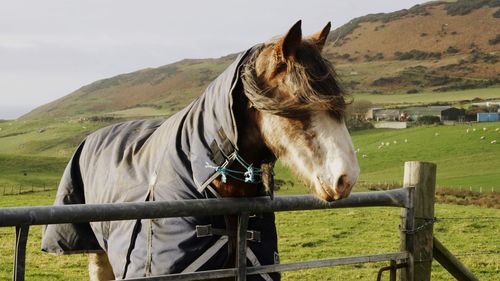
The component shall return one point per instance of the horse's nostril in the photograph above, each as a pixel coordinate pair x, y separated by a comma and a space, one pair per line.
341, 182
343, 187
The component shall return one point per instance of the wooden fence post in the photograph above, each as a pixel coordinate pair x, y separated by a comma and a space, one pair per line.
417, 220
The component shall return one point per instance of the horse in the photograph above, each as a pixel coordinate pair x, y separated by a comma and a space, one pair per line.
279, 100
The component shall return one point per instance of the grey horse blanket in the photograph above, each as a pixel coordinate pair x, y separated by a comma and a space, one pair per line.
156, 160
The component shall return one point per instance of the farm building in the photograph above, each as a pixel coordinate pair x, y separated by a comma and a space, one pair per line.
445, 113
487, 103
488, 117
380, 114
370, 113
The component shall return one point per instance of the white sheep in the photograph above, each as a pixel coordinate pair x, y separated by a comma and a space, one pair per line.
482, 137
493, 141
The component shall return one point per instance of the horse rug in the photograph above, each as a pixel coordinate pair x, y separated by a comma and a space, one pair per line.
159, 160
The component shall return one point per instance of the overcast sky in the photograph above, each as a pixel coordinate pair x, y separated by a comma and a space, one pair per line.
51, 48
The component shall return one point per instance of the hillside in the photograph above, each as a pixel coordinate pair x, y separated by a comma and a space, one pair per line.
438, 46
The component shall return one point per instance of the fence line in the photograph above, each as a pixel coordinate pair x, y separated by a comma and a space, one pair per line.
19, 189
469, 218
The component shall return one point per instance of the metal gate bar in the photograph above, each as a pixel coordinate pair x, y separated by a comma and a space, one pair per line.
185, 208
202, 275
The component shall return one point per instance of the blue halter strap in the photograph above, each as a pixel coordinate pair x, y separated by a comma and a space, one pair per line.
250, 175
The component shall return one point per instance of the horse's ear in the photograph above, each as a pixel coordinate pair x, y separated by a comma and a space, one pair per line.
319, 38
286, 46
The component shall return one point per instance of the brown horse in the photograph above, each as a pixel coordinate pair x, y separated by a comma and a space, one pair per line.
288, 105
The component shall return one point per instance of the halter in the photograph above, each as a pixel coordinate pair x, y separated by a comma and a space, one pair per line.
251, 175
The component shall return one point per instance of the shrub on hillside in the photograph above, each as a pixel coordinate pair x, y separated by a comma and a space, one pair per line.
377, 56
495, 40
452, 50
386, 81
463, 7
469, 84
435, 80
417, 55
497, 14
428, 120
478, 56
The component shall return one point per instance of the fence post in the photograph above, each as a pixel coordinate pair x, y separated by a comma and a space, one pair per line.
417, 220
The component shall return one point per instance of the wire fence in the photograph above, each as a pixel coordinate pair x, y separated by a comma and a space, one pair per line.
485, 219
20, 189
386, 185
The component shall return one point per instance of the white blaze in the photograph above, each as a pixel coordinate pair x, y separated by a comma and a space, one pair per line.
339, 156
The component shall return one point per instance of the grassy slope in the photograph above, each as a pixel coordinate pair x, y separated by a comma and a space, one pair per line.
303, 236
462, 158
35, 152
429, 97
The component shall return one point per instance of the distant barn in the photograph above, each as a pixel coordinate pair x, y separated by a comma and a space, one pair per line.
380, 114
445, 113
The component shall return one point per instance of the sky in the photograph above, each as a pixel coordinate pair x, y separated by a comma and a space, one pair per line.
50, 48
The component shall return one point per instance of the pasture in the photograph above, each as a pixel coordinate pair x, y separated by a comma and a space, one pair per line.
28, 157
36, 152
307, 235
464, 154
429, 97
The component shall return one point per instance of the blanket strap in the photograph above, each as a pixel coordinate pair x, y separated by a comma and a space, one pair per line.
208, 230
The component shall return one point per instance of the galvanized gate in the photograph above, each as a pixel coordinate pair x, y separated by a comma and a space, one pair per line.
414, 259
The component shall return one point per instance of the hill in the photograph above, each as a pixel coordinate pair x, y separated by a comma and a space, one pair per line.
438, 46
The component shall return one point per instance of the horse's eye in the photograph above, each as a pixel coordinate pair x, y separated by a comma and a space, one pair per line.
280, 67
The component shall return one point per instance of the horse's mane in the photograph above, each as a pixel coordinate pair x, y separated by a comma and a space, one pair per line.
315, 85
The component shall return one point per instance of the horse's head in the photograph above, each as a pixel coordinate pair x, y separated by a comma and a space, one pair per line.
300, 111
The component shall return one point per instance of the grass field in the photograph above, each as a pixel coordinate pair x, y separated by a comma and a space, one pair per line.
35, 152
463, 159
306, 235
429, 97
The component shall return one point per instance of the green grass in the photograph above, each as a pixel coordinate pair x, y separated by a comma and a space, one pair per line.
463, 159
305, 235
30, 157
27, 171
429, 97
52, 138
